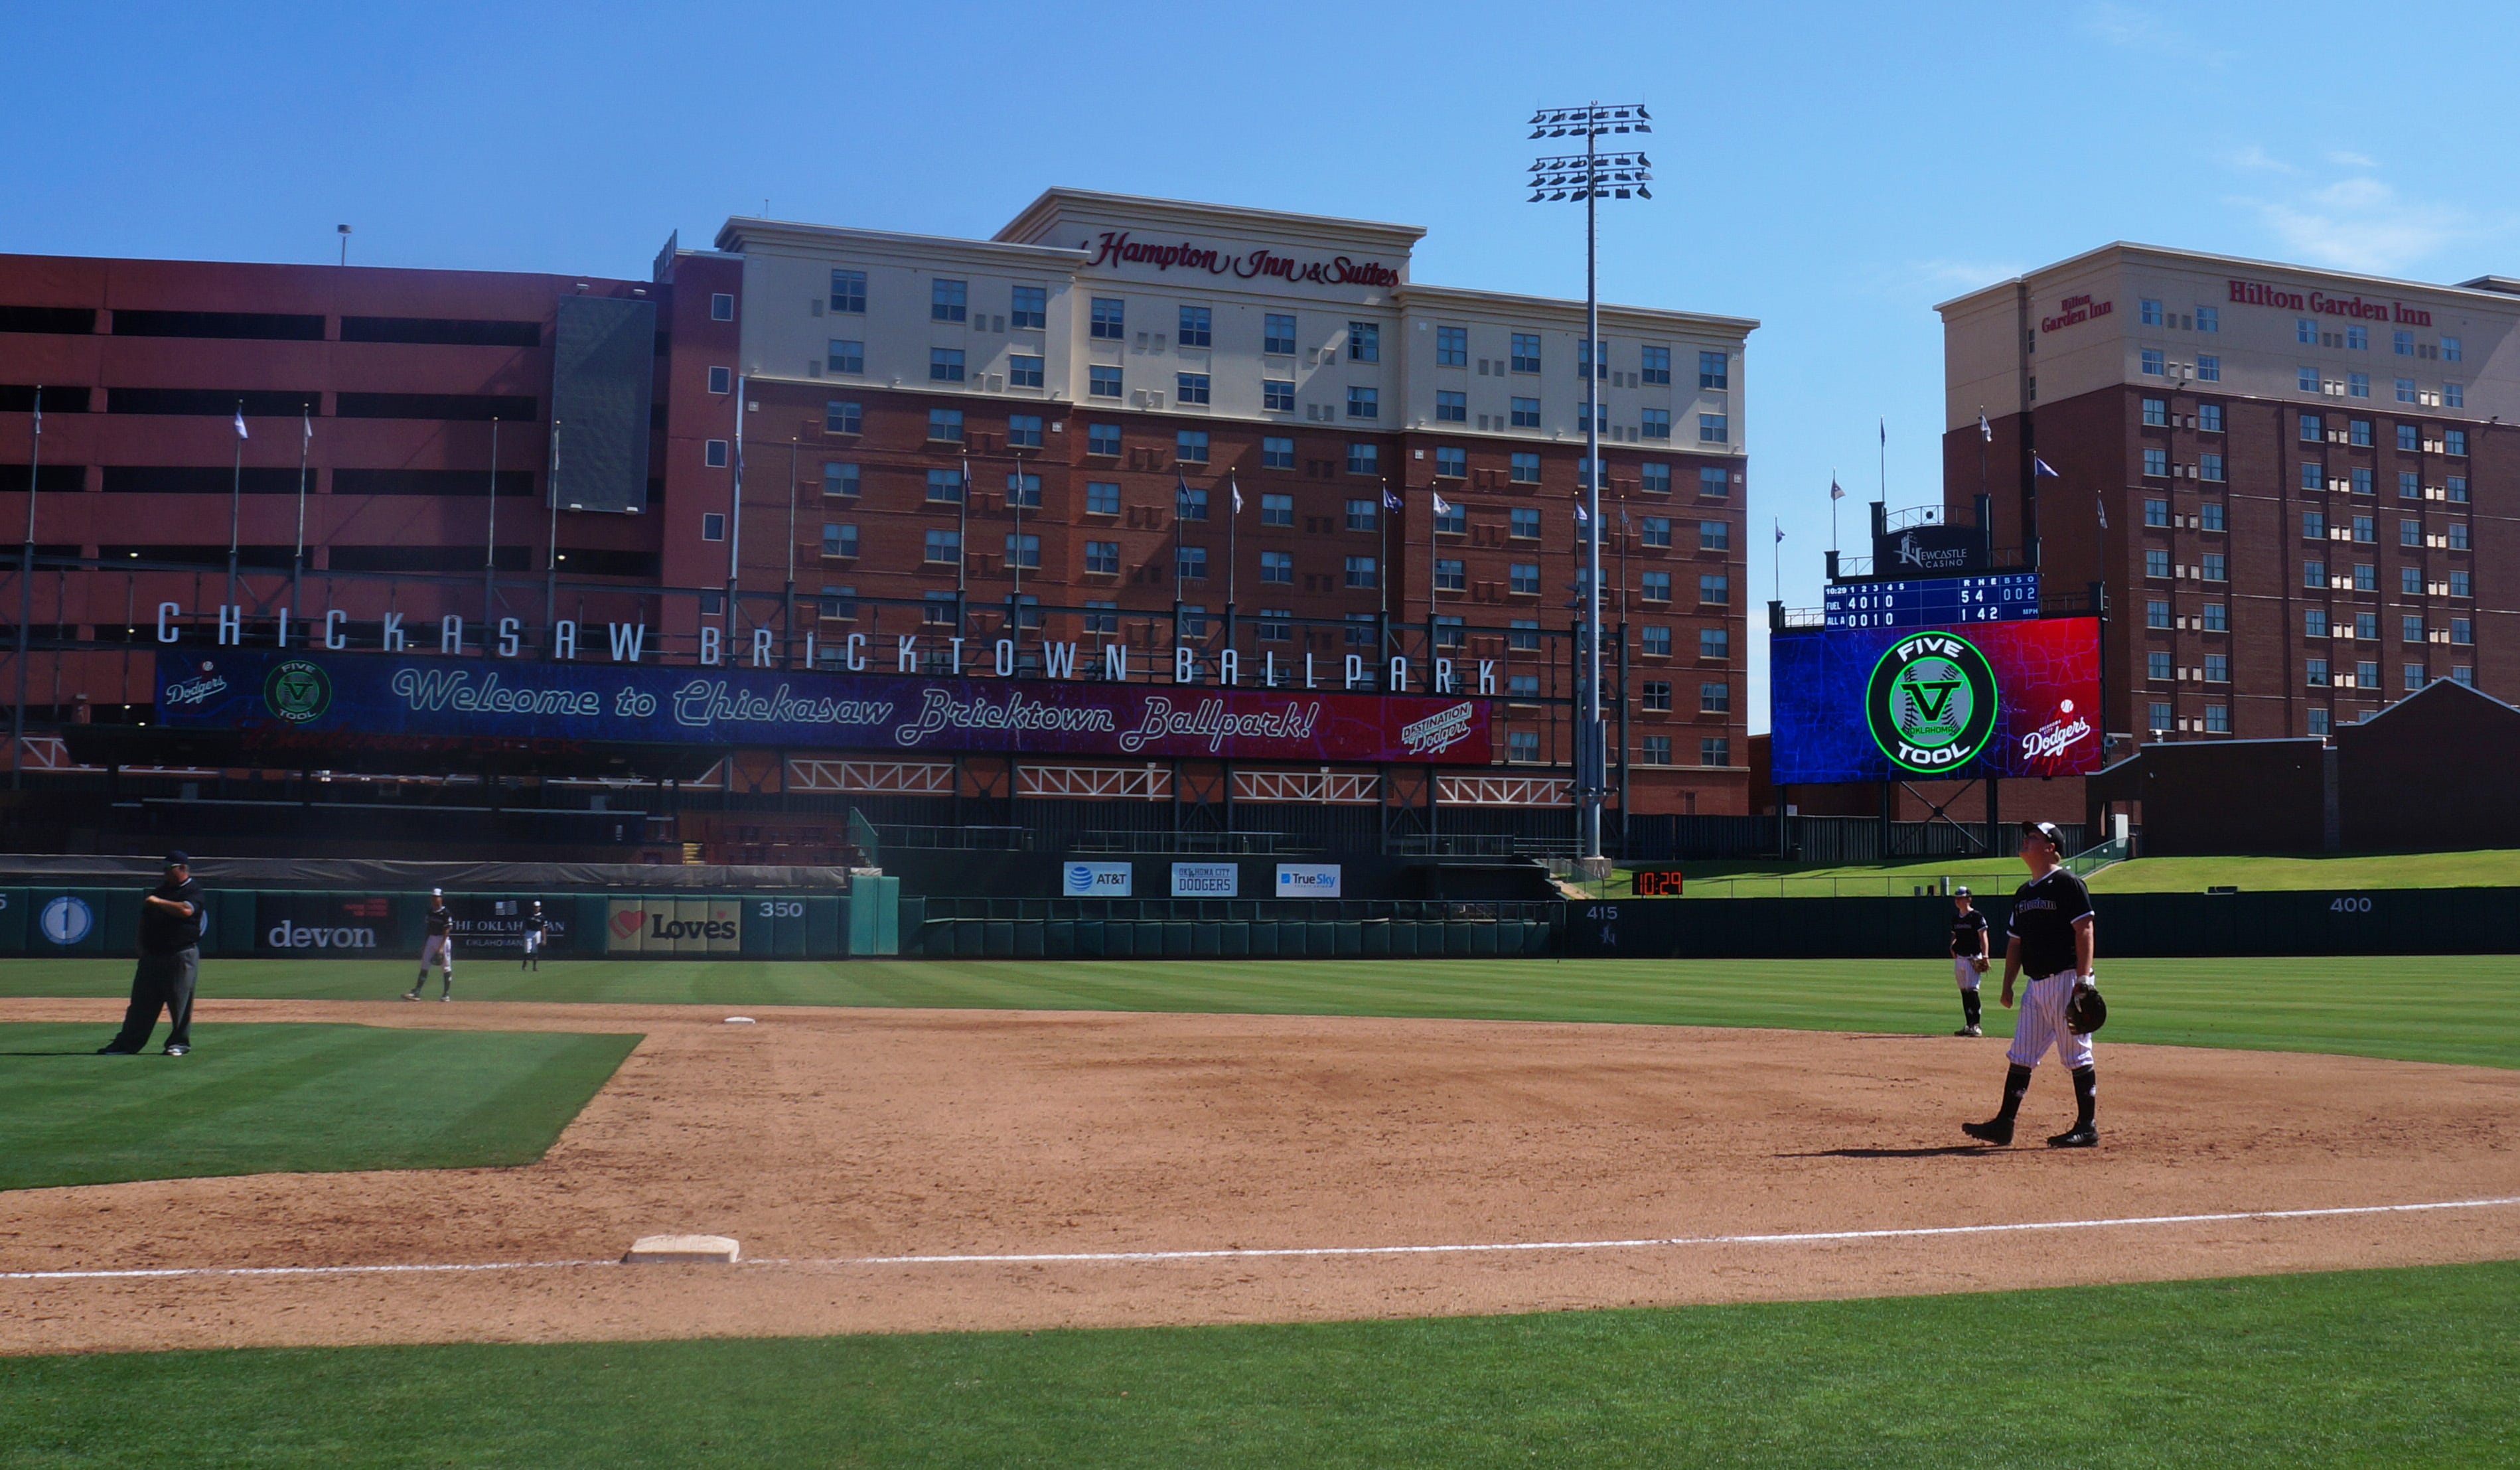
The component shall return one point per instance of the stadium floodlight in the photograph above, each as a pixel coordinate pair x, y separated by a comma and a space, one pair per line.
1590, 176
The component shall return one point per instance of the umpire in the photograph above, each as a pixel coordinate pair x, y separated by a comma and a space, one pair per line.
171, 962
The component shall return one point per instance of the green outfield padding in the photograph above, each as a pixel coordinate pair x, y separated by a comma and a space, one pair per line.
269, 1099
2367, 1368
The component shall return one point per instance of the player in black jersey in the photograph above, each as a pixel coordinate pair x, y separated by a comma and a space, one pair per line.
439, 946
1968, 959
2052, 941
534, 923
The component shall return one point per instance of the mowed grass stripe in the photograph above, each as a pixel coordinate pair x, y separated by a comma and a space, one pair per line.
2456, 1009
2384, 1367
269, 1099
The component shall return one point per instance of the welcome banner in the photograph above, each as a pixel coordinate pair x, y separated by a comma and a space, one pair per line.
311, 700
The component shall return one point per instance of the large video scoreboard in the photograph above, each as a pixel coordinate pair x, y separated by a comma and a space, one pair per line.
1932, 602
1998, 697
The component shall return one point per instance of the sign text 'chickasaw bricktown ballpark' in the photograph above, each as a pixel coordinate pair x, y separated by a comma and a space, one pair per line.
308, 702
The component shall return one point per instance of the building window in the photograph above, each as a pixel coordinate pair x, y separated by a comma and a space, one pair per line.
2209, 369
1363, 342
1452, 462
841, 355
848, 293
1714, 643
1525, 351
1103, 438
1452, 347
2408, 438
1524, 522
2367, 577
1110, 319
2361, 477
1190, 503
840, 418
2209, 418
840, 478
1023, 550
1364, 403
1715, 587
2410, 533
2458, 535
722, 380
944, 545
1714, 369
1195, 324
2357, 432
2449, 350
2456, 487
2304, 331
1653, 365
2217, 668
2210, 517
2218, 718
2218, 618
840, 540
1193, 565
2156, 412
2410, 581
1102, 497
945, 487
2358, 338
1522, 745
1361, 515
2313, 475
1523, 578
1656, 530
2156, 512
1277, 624
2319, 722
1190, 446
1361, 573
1524, 469
947, 301
1363, 458
2409, 485
1712, 483
2156, 612
938, 607
1023, 430
1277, 509
713, 526
2463, 630
2314, 526
1654, 477
1102, 381
2406, 389
2454, 396
1192, 620
1028, 308
2156, 561
2313, 622
1715, 698
1714, 429
2306, 379
1522, 634
1452, 519
1023, 372
2209, 319
2413, 676
2367, 625
1190, 387
2209, 466
839, 603
713, 454
1526, 413
1450, 631
1450, 575
1656, 587
2156, 665
2316, 672
945, 426
2311, 428
2364, 530
1654, 424
2458, 584
1277, 567
1715, 750
2156, 461
1452, 406
1023, 491
2160, 716
2152, 361
1278, 395
2455, 441
1653, 750
1104, 557
1277, 452
722, 307
2148, 312
2357, 385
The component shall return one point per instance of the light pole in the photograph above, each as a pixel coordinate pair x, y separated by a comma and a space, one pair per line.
1591, 176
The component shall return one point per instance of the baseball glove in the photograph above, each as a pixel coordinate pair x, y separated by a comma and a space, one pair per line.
1980, 963
2084, 1011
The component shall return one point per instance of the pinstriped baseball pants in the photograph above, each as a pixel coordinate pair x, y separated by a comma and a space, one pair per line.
2042, 1024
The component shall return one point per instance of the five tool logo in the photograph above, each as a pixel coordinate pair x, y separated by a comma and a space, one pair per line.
1931, 702
297, 692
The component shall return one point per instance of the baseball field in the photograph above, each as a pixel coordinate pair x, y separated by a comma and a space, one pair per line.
1340, 1213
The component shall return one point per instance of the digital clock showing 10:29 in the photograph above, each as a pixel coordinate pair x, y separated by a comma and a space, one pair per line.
1655, 882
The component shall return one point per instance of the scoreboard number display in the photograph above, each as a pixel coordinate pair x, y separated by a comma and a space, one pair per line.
1655, 882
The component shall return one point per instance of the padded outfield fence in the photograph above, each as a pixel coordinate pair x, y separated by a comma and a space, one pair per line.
1225, 928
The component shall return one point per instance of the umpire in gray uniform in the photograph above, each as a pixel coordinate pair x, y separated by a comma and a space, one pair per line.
171, 962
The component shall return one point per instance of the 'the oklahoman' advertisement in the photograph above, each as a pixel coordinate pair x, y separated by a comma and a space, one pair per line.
2019, 698
310, 701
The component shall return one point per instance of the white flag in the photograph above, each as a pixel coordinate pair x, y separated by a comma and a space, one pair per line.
1237, 488
309, 424
2040, 466
239, 422
1441, 508
1580, 517
1985, 431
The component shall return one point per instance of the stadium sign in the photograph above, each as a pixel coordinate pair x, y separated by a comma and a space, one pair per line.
306, 705
1096, 879
1931, 702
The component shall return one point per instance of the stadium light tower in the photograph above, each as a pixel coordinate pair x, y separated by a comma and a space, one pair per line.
1592, 176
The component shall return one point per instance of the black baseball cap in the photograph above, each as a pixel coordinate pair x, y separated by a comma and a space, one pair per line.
2046, 830
179, 859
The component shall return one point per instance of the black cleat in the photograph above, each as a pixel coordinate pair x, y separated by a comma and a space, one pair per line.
114, 1051
2082, 1135
1998, 1132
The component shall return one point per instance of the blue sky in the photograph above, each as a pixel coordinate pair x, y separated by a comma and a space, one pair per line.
1830, 169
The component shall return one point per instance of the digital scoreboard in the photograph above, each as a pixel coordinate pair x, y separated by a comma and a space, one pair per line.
1655, 882
1933, 601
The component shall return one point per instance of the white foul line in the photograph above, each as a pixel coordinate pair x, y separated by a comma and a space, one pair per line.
1252, 1253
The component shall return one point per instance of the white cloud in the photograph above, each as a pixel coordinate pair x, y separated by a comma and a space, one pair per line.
2343, 160
2353, 219
2254, 159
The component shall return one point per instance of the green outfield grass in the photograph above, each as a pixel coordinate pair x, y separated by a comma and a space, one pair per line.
2378, 1368
2493, 867
2463, 1009
270, 1098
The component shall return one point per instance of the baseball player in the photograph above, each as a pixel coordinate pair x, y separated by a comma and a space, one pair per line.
1968, 959
534, 936
2052, 941
439, 946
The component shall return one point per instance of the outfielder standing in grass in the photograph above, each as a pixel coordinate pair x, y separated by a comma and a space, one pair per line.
1968, 959
439, 946
532, 931
2051, 940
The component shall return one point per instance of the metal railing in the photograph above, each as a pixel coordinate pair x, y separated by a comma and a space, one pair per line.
1110, 840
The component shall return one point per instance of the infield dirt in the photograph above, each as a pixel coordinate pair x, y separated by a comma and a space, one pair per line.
822, 1136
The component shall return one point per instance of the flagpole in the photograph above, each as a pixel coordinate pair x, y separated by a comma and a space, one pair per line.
1885, 461
550, 546
26, 601
788, 613
1232, 536
236, 499
1777, 563
1431, 518
963, 552
1832, 510
489, 544
297, 553
734, 522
